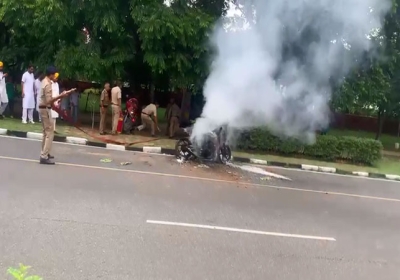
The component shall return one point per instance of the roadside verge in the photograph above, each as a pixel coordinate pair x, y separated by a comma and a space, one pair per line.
169, 151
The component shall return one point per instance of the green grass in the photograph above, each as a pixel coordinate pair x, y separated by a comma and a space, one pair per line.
385, 166
387, 140
17, 125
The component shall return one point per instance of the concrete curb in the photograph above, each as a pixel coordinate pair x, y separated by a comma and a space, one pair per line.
3, 131
160, 150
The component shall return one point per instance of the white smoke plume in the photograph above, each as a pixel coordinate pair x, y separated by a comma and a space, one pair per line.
275, 63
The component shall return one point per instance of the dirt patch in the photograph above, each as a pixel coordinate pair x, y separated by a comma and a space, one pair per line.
218, 172
135, 140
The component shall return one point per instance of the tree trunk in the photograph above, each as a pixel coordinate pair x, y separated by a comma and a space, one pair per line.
381, 119
398, 129
152, 89
87, 100
185, 106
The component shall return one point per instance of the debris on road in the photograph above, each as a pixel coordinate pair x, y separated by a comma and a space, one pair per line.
147, 163
106, 160
126, 163
235, 171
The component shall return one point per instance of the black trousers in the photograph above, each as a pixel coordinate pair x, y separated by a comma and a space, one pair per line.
10, 107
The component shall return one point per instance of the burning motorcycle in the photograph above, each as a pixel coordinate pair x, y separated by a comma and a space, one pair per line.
213, 148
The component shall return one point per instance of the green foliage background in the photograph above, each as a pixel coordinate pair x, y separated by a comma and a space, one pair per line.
139, 41
152, 44
327, 147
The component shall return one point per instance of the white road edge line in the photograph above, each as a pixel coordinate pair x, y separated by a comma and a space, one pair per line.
241, 230
82, 146
325, 173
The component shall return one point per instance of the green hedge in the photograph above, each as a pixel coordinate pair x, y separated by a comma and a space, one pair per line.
327, 147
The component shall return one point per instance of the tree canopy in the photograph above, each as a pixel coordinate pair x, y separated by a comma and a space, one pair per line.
165, 43
140, 41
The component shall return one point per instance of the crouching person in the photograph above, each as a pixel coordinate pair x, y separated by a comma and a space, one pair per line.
149, 118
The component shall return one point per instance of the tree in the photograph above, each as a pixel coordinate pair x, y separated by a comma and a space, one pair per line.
53, 32
140, 41
173, 40
373, 89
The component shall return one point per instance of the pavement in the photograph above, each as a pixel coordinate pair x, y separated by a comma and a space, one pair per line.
159, 219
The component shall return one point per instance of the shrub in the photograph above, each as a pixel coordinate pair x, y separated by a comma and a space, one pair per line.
21, 273
327, 147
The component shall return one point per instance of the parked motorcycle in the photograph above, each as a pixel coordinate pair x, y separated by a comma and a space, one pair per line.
130, 116
213, 148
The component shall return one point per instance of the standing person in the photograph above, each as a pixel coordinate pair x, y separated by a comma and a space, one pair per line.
3, 91
115, 106
45, 102
10, 87
55, 90
38, 84
65, 102
173, 114
28, 95
74, 101
104, 101
149, 118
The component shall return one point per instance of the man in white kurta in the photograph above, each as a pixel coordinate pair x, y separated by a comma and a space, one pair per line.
3, 91
55, 93
28, 95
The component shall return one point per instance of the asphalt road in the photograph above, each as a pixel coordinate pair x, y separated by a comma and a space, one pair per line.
86, 219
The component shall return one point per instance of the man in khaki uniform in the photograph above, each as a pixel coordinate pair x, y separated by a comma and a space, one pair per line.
104, 102
173, 113
46, 100
115, 106
149, 118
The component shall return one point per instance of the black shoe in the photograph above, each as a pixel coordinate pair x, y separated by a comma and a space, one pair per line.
51, 157
46, 161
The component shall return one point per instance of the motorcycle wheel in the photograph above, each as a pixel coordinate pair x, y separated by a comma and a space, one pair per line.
128, 125
224, 154
181, 149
